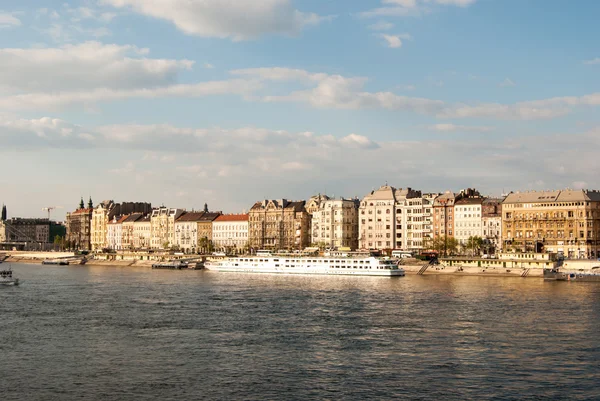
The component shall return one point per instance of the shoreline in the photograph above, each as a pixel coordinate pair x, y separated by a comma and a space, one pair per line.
412, 270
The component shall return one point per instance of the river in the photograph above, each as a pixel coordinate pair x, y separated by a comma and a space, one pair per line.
111, 333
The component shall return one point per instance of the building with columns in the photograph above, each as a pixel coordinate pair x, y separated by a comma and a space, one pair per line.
334, 223
566, 222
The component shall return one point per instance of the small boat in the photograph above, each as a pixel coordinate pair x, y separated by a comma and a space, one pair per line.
55, 262
6, 277
178, 265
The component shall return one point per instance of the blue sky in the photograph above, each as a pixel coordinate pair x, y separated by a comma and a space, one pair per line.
227, 102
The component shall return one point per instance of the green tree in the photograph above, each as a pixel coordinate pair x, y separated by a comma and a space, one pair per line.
474, 245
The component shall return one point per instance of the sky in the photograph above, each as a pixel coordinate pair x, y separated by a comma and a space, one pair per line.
182, 102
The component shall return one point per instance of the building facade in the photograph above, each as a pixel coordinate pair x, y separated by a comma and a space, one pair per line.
79, 228
443, 215
114, 233
468, 219
186, 231
334, 224
162, 229
230, 233
377, 219
30, 231
105, 211
142, 232
127, 240
278, 224
414, 219
566, 222
492, 224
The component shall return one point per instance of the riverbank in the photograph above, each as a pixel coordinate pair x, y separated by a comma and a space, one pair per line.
472, 271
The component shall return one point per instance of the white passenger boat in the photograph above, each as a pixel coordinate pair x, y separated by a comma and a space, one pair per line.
6, 277
356, 266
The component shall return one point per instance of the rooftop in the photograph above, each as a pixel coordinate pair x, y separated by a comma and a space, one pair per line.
232, 217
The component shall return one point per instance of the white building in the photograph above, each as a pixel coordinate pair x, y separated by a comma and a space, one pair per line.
142, 232
162, 230
468, 219
414, 213
186, 231
230, 232
492, 223
335, 224
114, 233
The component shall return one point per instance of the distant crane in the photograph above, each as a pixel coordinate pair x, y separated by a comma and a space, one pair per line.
50, 208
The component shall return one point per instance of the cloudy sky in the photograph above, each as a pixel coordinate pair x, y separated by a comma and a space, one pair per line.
181, 102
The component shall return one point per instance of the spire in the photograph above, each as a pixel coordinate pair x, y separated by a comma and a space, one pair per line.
206, 208
3, 212
90, 203
81, 204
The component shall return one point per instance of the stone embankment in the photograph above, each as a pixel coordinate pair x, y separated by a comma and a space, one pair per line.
426, 269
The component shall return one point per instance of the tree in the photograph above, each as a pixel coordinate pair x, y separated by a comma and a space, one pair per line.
474, 244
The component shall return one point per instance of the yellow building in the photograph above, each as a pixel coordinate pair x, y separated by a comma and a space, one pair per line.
563, 222
278, 224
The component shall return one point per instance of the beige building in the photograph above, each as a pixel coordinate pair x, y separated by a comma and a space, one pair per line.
142, 232
278, 224
105, 212
443, 215
101, 215
564, 222
162, 231
335, 224
230, 232
376, 224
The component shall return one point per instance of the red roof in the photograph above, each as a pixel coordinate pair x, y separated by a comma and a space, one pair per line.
232, 217
80, 211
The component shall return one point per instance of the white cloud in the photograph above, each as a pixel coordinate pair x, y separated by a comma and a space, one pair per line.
8, 20
257, 162
447, 127
507, 83
405, 8
381, 26
394, 41
234, 19
594, 61
59, 100
85, 66
208, 66
339, 92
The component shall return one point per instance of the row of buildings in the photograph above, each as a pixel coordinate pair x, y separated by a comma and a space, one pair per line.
565, 221
28, 233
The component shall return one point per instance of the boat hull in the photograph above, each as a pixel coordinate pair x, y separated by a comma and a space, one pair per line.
327, 272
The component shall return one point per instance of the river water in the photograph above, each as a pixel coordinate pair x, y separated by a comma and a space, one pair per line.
110, 333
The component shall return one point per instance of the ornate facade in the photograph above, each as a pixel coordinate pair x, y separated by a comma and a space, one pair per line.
79, 228
162, 231
564, 222
278, 224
